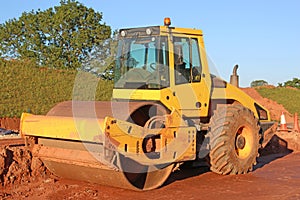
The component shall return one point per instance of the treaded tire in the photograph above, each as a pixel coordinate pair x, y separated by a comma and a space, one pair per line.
234, 136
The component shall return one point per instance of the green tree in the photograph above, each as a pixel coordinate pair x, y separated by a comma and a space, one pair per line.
257, 83
293, 83
59, 37
101, 60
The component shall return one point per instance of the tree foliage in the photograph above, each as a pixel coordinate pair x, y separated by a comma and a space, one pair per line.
101, 60
258, 83
295, 82
59, 37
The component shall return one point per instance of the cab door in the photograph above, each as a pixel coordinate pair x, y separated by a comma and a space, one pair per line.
191, 84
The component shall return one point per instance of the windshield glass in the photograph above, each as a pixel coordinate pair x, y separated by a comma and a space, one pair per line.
142, 63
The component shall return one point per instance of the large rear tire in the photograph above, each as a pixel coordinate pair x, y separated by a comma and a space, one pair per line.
234, 136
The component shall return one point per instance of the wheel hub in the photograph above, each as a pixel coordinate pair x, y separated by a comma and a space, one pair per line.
240, 142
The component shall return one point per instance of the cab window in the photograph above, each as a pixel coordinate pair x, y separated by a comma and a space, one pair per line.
187, 63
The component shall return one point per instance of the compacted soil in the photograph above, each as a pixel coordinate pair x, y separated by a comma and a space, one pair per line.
276, 176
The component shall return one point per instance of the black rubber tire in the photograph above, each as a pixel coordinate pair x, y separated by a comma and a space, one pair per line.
228, 125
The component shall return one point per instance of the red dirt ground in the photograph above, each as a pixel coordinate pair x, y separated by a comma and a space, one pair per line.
276, 177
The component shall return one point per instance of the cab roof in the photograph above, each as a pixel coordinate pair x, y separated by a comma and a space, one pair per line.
157, 30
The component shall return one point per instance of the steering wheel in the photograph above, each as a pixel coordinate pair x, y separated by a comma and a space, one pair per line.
131, 62
153, 66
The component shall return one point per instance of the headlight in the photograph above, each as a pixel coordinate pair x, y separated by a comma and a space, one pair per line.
148, 31
123, 33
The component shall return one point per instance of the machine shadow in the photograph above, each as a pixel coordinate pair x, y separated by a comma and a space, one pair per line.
275, 149
186, 171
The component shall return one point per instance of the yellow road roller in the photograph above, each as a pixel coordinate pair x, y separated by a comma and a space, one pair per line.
167, 109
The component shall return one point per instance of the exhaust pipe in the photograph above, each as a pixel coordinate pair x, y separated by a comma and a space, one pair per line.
234, 78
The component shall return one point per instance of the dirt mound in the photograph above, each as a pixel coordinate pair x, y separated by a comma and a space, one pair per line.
17, 166
10, 123
274, 108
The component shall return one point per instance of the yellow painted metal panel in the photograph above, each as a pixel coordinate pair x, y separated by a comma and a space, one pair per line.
233, 93
190, 31
136, 94
85, 129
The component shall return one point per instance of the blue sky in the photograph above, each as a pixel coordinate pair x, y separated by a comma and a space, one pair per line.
263, 37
